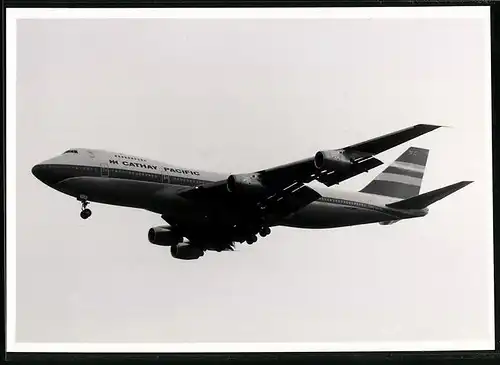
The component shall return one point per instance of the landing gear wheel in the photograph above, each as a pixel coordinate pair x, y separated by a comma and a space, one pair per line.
85, 213
252, 239
265, 231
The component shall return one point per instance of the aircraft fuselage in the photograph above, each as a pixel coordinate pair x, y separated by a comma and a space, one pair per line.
130, 181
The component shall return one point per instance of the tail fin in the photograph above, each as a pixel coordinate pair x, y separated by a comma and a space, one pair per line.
403, 178
424, 200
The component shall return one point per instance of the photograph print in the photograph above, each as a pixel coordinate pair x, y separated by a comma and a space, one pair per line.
250, 180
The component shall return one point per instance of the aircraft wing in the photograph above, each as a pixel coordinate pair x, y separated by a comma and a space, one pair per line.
279, 191
388, 141
337, 165
360, 156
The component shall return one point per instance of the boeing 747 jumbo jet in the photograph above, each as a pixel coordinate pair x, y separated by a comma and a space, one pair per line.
211, 211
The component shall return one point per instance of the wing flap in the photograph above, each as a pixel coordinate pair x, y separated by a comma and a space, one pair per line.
339, 176
293, 201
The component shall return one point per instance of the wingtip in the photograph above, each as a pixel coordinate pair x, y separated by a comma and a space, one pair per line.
430, 127
463, 184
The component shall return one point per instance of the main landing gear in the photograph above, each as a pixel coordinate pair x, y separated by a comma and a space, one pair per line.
251, 239
85, 213
263, 232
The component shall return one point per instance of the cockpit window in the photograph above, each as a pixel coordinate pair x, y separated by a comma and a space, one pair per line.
71, 151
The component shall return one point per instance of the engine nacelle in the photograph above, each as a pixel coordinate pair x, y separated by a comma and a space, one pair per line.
248, 183
332, 159
163, 236
186, 251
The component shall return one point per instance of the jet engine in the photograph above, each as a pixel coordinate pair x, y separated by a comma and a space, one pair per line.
186, 251
332, 159
248, 183
163, 236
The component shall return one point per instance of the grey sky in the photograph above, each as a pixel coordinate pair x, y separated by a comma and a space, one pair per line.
237, 96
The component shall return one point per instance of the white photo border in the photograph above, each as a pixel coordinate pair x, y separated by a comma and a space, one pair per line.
12, 15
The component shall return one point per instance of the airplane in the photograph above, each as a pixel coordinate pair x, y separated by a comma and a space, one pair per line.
207, 211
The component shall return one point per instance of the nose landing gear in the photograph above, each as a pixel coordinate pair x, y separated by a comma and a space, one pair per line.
85, 213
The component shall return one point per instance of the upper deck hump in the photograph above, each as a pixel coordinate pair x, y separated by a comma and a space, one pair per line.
130, 161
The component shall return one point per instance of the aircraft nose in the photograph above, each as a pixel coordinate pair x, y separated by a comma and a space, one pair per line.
43, 173
38, 171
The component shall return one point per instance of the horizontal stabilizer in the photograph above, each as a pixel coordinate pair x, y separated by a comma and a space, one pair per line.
426, 199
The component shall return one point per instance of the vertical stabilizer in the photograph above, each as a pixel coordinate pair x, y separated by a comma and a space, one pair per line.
403, 178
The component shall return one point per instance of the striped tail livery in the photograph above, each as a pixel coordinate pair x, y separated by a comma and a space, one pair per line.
403, 178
